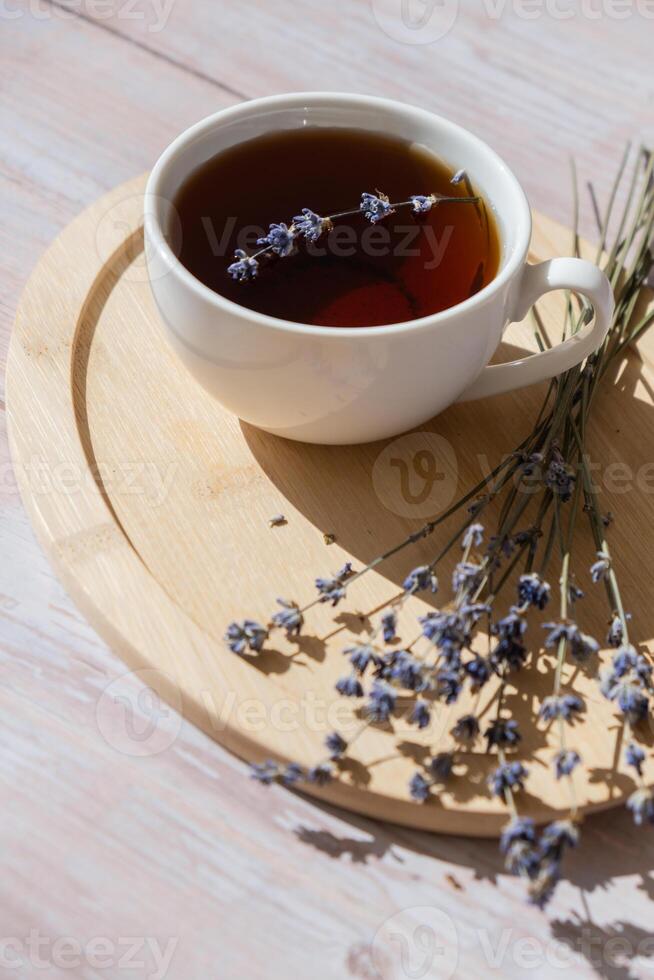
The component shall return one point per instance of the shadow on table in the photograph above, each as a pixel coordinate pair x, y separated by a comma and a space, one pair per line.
611, 847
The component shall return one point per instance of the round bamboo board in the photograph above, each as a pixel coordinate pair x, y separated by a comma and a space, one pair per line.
153, 503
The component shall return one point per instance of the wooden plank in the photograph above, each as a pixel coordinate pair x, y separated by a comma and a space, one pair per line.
79, 134
481, 74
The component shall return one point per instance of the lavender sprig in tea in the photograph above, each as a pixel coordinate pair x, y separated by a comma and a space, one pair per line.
281, 238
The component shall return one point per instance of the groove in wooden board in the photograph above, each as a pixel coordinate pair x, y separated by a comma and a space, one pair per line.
92, 384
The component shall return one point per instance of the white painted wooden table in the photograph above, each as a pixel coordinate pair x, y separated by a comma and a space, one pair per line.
173, 863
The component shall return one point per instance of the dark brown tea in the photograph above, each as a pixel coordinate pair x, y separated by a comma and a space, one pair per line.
358, 274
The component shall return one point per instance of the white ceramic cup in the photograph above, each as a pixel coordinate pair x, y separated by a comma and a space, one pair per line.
339, 385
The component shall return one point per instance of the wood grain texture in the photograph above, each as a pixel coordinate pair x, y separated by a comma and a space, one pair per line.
157, 520
180, 843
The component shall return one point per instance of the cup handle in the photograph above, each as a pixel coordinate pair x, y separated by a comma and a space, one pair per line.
564, 273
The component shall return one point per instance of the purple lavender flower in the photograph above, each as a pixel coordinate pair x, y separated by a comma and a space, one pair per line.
389, 626
420, 715
419, 579
361, 656
333, 589
559, 477
599, 568
574, 593
581, 644
309, 224
566, 706
419, 788
349, 687
421, 204
280, 239
381, 702
448, 685
571, 705
502, 732
529, 463
627, 683
289, 617
264, 772
248, 635
509, 775
558, 632
635, 756
466, 729
641, 804
406, 670
292, 774
458, 177
542, 864
508, 654
321, 774
465, 576
522, 858
478, 671
473, 611
375, 207
450, 655
615, 635
565, 762
518, 844
336, 745
510, 627
244, 268
550, 708
533, 591
473, 536
628, 659
630, 698
518, 829
557, 836
445, 629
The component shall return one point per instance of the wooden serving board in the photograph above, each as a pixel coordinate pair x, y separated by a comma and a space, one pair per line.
153, 503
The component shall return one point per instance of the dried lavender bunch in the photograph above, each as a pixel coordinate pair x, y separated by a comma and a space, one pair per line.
281, 239
532, 536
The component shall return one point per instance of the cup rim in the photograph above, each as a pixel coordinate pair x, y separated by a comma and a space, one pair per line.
155, 236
